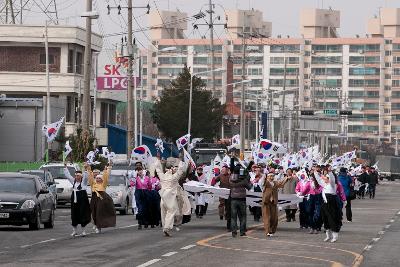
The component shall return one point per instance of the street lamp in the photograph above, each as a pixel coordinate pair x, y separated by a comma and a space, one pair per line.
191, 94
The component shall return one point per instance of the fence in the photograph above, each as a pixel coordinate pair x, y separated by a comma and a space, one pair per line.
16, 166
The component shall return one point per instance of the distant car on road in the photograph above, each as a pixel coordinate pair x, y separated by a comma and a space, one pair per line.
118, 189
47, 178
64, 187
25, 200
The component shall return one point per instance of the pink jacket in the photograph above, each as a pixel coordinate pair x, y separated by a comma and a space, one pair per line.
155, 183
301, 187
340, 192
137, 182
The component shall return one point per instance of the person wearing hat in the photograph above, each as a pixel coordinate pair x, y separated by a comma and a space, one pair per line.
170, 193
270, 203
80, 207
101, 204
257, 180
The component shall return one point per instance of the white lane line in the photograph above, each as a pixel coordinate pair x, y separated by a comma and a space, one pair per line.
41, 242
391, 220
150, 262
376, 239
127, 226
381, 232
398, 213
188, 247
169, 254
387, 226
368, 247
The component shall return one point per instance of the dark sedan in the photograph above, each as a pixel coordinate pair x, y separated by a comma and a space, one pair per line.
25, 200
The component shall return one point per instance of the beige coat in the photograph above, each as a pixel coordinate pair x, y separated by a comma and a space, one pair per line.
290, 188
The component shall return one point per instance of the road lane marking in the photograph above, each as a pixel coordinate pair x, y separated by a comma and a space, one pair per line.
169, 254
150, 262
188, 247
387, 226
381, 232
376, 239
391, 220
41, 242
127, 226
368, 247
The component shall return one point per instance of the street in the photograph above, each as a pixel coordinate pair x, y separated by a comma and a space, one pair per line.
370, 240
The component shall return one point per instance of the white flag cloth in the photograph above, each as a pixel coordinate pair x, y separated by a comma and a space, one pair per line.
302, 175
51, 130
198, 187
235, 142
67, 149
194, 142
90, 158
182, 141
226, 161
270, 147
159, 145
254, 199
141, 153
356, 171
188, 159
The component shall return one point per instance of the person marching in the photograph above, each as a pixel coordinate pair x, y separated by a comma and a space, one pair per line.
290, 188
346, 182
330, 210
224, 208
301, 189
169, 182
154, 201
200, 197
101, 204
257, 181
270, 203
80, 207
142, 184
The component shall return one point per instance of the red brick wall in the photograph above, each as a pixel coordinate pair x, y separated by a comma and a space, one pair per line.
27, 59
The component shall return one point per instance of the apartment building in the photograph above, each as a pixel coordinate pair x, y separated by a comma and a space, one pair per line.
322, 71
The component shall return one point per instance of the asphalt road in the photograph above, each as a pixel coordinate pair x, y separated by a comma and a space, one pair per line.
367, 241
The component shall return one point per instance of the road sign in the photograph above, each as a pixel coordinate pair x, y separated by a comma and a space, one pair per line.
330, 112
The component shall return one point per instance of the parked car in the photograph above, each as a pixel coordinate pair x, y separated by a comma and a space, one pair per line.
47, 178
25, 200
118, 189
63, 186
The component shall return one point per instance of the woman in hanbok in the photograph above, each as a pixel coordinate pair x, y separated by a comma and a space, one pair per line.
142, 185
101, 204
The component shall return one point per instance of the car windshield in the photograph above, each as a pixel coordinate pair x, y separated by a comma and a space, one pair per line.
37, 173
116, 180
58, 172
17, 185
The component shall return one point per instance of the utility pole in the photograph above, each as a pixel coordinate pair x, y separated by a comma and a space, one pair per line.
10, 2
282, 131
130, 138
46, 44
87, 71
242, 103
211, 25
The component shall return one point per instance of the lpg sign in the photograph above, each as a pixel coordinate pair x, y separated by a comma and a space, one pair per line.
113, 80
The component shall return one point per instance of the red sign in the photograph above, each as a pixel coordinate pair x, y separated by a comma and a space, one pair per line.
113, 80
114, 83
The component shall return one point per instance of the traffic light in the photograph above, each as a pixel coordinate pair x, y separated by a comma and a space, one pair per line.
345, 112
307, 112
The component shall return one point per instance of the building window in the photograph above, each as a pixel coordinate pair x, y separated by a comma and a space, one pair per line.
78, 63
43, 59
388, 53
388, 76
71, 54
112, 113
386, 110
387, 99
388, 88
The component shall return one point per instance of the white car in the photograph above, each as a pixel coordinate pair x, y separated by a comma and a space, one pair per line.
118, 189
63, 186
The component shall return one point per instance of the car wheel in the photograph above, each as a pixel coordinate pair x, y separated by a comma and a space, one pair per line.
36, 224
50, 223
126, 208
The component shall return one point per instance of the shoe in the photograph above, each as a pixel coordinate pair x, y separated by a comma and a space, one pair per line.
270, 234
311, 231
177, 229
167, 233
98, 230
328, 235
243, 234
139, 227
221, 217
152, 226
83, 233
234, 234
349, 221
334, 237
73, 234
